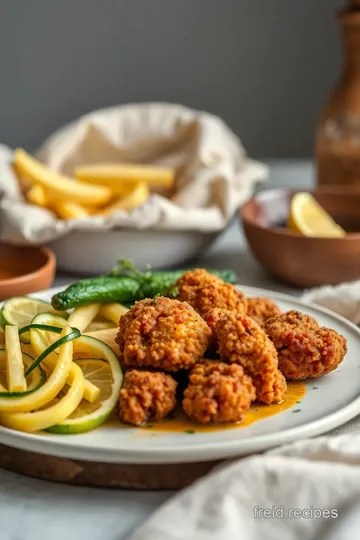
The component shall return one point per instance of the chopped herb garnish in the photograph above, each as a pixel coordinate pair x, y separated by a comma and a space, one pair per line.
298, 401
190, 431
149, 426
315, 388
297, 410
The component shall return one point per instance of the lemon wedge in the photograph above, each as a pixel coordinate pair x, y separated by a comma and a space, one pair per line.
308, 218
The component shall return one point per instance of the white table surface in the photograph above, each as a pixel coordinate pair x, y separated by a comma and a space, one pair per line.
38, 510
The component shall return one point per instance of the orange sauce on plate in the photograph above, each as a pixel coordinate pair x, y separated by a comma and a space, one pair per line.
180, 424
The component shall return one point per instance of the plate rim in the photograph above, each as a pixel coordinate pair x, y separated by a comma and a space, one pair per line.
184, 453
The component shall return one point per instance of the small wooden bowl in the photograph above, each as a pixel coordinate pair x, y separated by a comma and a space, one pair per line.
24, 270
299, 260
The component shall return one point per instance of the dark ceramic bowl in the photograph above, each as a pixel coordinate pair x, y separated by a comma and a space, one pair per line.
299, 260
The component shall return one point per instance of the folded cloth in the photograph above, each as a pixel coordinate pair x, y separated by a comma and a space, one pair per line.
213, 174
302, 491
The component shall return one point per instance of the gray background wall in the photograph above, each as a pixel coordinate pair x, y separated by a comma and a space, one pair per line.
265, 66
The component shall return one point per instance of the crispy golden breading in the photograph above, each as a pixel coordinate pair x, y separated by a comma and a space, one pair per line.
211, 318
128, 318
165, 335
305, 349
296, 319
146, 396
279, 387
261, 309
217, 392
240, 340
204, 291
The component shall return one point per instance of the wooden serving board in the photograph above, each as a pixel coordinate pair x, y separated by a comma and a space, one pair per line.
88, 473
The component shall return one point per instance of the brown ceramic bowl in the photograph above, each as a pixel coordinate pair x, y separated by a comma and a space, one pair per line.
299, 260
24, 270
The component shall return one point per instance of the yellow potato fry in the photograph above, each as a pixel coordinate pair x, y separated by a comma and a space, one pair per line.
37, 195
113, 311
82, 316
60, 187
2, 337
70, 210
15, 372
138, 196
117, 176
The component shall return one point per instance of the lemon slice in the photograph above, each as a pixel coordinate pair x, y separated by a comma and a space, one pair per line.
308, 218
20, 310
106, 375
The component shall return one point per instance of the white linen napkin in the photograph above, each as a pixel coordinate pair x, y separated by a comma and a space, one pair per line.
303, 491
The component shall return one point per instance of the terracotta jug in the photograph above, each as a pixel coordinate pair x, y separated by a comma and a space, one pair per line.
337, 146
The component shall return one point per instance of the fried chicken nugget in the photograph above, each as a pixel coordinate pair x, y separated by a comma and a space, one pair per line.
204, 291
305, 349
262, 309
128, 318
162, 334
146, 396
218, 392
241, 341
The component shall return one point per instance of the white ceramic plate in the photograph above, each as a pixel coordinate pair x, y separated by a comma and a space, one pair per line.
334, 400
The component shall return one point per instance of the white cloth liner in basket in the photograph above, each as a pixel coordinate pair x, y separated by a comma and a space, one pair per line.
214, 175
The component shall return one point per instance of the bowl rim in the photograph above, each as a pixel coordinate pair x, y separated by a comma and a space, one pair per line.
287, 232
50, 261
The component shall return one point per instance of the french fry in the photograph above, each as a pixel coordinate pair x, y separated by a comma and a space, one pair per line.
37, 195
113, 311
82, 316
2, 337
15, 372
117, 176
138, 196
70, 210
60, 187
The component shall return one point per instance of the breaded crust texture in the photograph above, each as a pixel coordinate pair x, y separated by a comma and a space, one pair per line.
204, 291
305, 349
218, 392
162, 334
146, 396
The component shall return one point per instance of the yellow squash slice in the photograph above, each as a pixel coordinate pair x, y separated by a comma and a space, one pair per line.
50, 388
14, 360
54, 414
82, 316
41, 340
